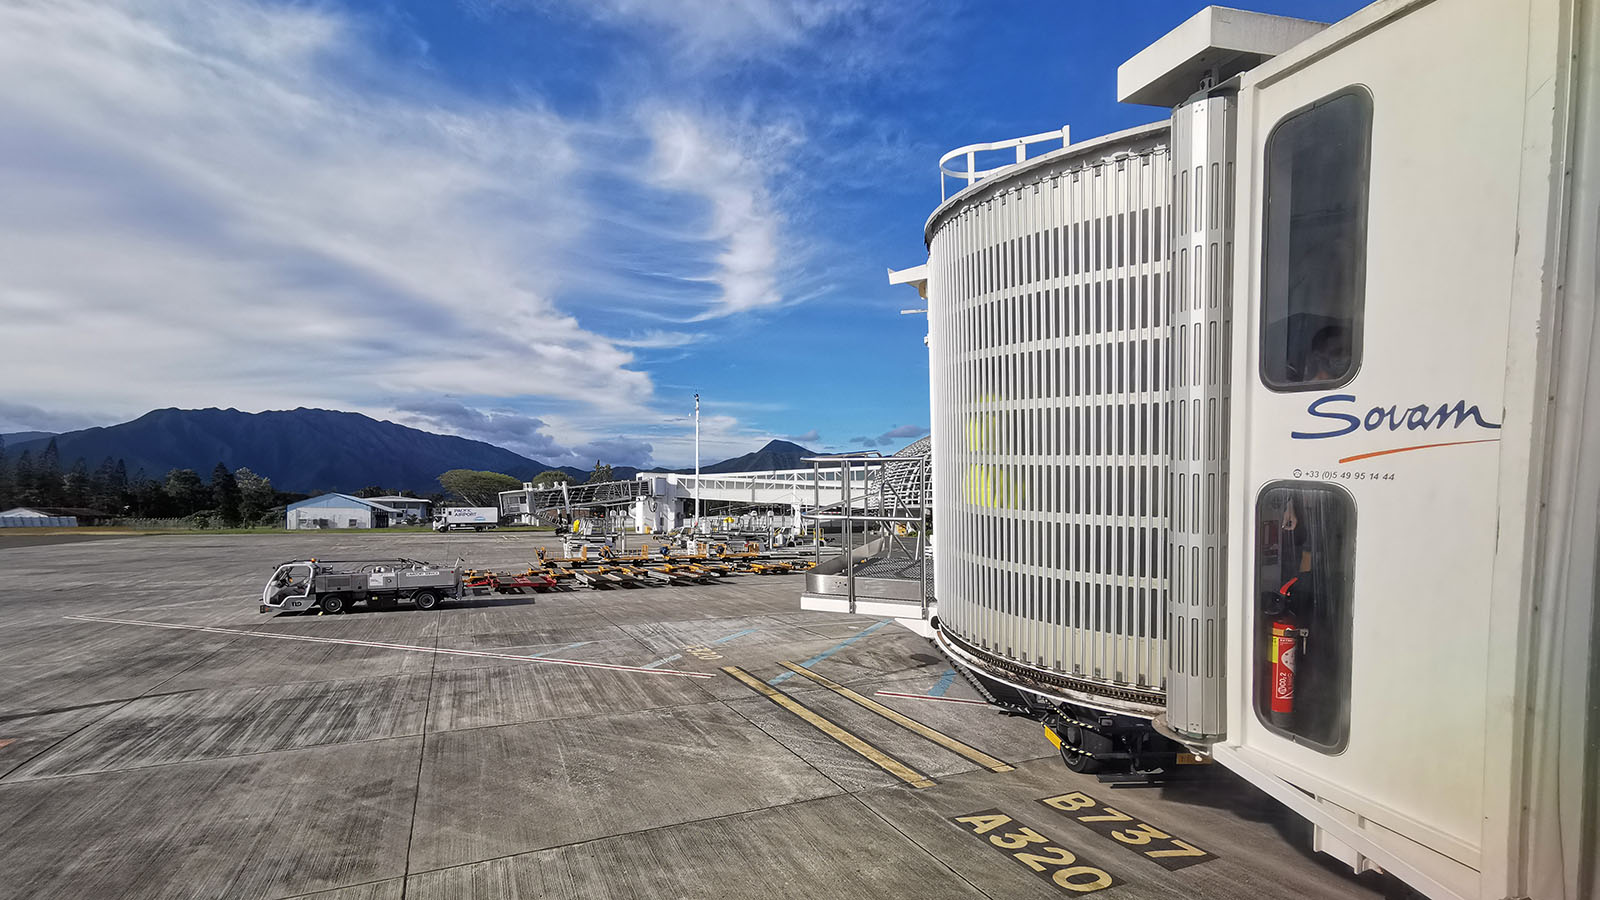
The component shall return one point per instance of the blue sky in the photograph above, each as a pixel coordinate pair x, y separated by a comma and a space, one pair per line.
543, 223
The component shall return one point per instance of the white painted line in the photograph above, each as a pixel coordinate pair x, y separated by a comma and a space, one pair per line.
411, 648
662, 662
930, 697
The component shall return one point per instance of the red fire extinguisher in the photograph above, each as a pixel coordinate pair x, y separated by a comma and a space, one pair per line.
1286, 648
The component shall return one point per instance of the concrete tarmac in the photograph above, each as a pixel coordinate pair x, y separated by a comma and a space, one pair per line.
258, 756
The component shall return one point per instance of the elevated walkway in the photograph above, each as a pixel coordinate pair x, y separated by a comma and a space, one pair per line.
886, 574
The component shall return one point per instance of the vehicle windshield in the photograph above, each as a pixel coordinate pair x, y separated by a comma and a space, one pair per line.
290, 581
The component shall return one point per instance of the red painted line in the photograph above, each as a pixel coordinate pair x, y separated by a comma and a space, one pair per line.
930, 697
1417, 447
8, 741
412, 648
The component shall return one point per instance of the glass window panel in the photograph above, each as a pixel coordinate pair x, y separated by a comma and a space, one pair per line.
1315, 237
1305, 568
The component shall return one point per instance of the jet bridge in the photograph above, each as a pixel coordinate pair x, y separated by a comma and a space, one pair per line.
661, 501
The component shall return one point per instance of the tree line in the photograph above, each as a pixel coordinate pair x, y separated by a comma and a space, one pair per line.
229, 498
479, 488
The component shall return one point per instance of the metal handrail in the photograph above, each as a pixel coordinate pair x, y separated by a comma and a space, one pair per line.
972, 175
883, 505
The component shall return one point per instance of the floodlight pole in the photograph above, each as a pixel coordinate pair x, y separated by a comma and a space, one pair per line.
696, 463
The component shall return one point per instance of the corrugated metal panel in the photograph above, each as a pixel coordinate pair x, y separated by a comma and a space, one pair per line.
38, 521
1047, 333
1202, 246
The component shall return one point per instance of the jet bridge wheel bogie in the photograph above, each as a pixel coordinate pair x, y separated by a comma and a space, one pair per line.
1073, 754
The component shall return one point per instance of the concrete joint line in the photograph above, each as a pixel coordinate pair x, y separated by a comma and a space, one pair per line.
904, 721
868, 752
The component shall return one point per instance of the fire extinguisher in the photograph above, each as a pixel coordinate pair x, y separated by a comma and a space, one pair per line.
1287, 646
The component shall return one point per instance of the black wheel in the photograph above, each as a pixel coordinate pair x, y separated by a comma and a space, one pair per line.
334, 604
1071, 742
426, 600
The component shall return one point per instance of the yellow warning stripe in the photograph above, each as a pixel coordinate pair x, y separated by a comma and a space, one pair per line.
906, 722
877, 757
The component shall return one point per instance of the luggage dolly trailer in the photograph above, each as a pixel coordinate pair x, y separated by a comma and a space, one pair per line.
681, 574
605, 577
333, 586
534, 581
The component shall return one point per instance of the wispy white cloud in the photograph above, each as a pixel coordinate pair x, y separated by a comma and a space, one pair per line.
659, 340
237, 202
704, 31
246, 203
199, 188
730, 172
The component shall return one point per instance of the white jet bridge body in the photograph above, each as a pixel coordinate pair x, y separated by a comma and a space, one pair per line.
1275, 426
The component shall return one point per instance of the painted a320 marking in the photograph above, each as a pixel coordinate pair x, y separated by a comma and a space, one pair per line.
1043, 856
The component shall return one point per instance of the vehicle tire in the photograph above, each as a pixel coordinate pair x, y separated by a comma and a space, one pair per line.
426, 600
334, 604
477, 528
1071, 738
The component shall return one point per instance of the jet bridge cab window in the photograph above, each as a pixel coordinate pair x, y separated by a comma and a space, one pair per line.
1305, 560
1314, 244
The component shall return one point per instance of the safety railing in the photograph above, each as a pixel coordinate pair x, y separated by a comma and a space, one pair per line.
882, 520
1018, 146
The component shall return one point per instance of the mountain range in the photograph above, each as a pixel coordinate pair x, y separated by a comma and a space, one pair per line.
16, 437
314, 450
775, 455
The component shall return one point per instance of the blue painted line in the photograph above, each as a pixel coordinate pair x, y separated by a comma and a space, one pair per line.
561, 649
944, 684
662, 662
724, 640
783, 676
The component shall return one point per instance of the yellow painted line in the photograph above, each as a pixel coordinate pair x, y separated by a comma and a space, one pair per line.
877, 757
906, 722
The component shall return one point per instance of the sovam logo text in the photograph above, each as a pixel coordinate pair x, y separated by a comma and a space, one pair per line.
1341, 414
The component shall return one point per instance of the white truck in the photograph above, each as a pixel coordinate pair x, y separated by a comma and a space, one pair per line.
455, 518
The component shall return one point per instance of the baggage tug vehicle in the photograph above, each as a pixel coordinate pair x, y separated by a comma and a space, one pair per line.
334, 586
1270, 432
